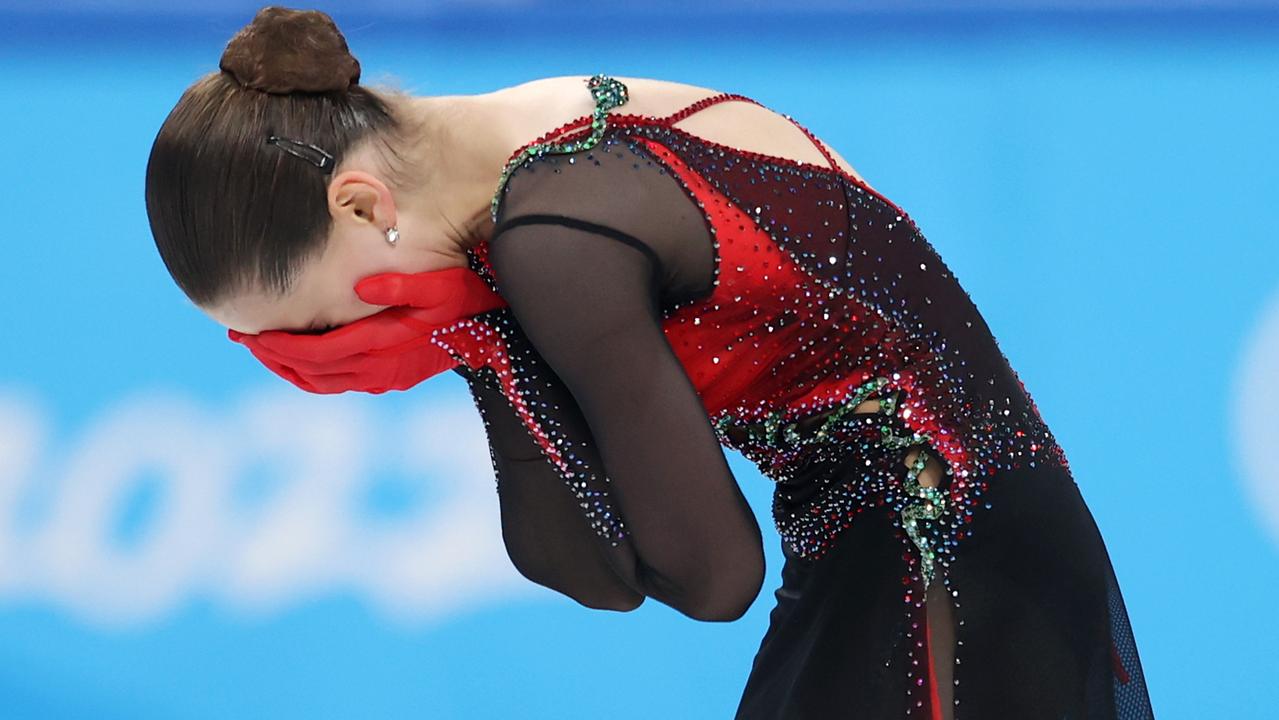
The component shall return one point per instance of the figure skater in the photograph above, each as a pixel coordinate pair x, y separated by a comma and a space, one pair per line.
632, 274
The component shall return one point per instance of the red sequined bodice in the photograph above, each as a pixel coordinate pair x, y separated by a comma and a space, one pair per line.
826, 293
823, 285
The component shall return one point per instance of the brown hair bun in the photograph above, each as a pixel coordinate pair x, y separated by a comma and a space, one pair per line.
284, 51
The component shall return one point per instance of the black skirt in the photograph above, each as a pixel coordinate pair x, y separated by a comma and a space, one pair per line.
1036, 626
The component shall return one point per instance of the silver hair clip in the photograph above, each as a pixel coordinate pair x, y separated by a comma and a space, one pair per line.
308, 152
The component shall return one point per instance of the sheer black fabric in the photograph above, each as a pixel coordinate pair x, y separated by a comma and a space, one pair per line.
546, 536
587, 298
619, 490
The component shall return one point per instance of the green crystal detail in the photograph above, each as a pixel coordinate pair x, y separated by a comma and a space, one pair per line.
608, 94
926, 505
929, 504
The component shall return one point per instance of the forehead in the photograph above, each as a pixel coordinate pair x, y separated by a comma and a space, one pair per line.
254, 310
323, 292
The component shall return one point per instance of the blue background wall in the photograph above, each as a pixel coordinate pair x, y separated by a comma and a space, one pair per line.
183, 535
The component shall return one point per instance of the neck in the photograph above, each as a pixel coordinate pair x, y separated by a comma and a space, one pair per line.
465, 140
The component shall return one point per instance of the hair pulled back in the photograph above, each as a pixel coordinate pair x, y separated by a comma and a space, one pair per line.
231, 209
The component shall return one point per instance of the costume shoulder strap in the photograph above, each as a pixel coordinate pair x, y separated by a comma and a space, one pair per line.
725, 97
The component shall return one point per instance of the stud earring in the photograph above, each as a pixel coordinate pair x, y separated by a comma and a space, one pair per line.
392, 235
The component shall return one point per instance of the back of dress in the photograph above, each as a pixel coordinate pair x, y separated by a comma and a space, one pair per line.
791, 294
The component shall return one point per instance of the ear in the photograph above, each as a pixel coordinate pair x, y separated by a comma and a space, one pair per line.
358, 197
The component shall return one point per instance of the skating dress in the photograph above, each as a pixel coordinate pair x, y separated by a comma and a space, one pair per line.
669, 297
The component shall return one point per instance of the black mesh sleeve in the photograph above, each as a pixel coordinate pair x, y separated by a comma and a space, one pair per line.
587, 295
547, 536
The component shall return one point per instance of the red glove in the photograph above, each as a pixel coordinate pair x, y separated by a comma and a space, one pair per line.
389, 350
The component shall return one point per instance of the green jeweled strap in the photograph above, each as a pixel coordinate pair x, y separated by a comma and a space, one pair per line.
608, 93
925, 504
767, 430
929, 504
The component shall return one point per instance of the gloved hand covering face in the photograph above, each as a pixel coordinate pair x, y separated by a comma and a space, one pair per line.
389, 350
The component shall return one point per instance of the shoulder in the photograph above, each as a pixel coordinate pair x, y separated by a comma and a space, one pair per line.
593, 192
617, 189
617, 182
583, 181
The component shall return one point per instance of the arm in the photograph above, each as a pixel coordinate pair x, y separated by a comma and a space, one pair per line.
546, 535
586, 297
